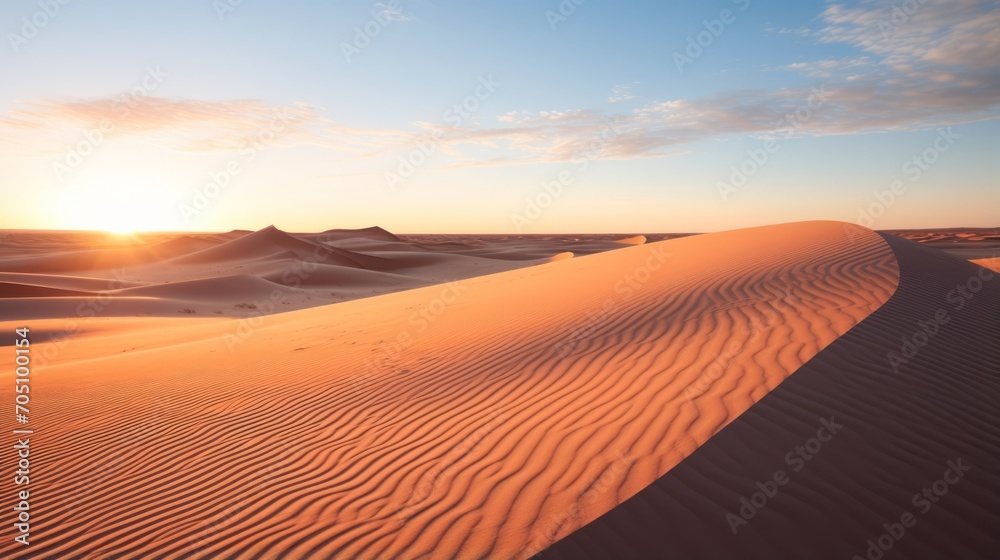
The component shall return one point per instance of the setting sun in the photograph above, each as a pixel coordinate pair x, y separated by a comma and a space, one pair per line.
119, 204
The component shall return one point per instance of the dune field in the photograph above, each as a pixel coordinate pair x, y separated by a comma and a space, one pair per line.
61, 274
358, 394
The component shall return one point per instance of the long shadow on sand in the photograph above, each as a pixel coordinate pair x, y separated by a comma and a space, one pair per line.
902, 430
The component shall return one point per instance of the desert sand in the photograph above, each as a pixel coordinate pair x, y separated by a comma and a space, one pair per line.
908, 425
235, 274
974, 244
488, 416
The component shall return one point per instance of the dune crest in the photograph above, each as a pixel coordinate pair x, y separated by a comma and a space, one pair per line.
493, 415
262, 243
372, 233
913, 415
992, 263
636, 240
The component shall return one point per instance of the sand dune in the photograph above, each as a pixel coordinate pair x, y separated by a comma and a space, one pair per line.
86, 308
18, 290
636, 240
992, 263
264, 243
967, 243
491, 416
79, 261
183, 245
236, 288
371, 233
905, 420
61, 281
520, 247
343, 278
132, 275
82, 252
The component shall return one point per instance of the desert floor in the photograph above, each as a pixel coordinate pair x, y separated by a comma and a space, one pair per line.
359, 394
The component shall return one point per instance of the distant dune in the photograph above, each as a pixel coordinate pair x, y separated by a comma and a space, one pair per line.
493, 416
967, 243
372, 233
636, 240
49, 275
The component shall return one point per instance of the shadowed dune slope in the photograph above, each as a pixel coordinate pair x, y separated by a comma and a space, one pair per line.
81, 261
180, 246
228, 288
372, 233
17, 290
269, 241
485, 417
70, 283
900, 431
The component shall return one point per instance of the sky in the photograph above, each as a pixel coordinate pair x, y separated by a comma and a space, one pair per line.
498, 116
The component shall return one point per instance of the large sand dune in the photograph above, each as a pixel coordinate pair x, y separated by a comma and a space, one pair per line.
916, 387
491, 416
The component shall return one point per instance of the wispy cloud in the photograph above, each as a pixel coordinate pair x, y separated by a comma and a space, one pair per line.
186, 124
800, 31
831, 67
957, 33
939, 65
621, 93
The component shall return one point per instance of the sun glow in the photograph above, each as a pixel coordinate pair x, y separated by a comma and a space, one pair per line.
120, 205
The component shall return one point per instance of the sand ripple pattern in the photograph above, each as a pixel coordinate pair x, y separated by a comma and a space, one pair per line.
901, 430
534, 402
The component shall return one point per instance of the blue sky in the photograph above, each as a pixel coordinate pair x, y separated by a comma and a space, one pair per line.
607, 103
